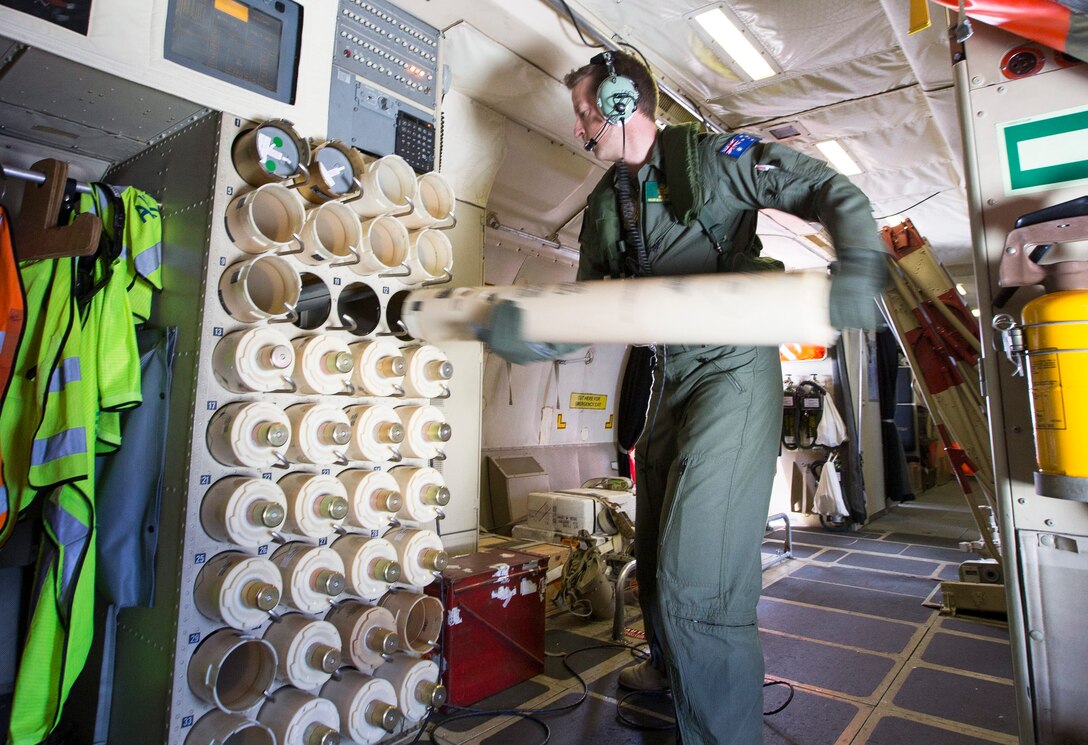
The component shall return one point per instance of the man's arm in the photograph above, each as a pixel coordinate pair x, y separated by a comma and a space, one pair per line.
774, 176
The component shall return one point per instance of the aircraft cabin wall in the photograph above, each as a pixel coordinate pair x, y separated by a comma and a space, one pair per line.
110, 103
503, 141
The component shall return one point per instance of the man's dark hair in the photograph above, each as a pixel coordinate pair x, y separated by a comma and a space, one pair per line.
623, 64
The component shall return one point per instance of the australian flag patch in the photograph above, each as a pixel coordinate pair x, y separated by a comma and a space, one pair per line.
738, 145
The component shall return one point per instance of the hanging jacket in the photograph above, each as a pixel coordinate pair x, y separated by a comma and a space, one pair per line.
80, 370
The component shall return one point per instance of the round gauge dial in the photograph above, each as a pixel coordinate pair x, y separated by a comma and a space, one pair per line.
277, 151
335, 170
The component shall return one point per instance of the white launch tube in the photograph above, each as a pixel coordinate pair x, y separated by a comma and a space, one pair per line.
765, 309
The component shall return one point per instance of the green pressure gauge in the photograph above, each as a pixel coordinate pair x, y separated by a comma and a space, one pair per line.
270, 152
334, 171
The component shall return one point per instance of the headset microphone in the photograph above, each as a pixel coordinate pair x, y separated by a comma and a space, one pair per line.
592, 141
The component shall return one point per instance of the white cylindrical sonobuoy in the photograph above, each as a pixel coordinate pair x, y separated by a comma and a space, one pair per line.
320, 433
367, 633
376, 433
297, 718
423, 493
252, 434
238, 589
323, 364
419, 553
308, 650
416, 684
312, 576
367, 706
426, 431
373, 498
254, 360
370, 565
428, 371
765, 308
379, 367
242, 510
316, 504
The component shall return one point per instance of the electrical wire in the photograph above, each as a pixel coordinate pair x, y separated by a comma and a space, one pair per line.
664, 726
768, 684
638, 52
533, 715
467, 712
574, 21
920, 201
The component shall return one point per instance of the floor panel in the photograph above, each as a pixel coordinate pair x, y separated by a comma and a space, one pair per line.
843, 620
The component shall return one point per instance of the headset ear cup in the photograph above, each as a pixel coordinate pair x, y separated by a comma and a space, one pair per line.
617, 98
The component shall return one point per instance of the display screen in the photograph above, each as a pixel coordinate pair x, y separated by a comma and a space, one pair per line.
236, 41
71, 14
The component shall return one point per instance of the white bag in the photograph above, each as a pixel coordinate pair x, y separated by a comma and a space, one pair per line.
828, 500
832, 430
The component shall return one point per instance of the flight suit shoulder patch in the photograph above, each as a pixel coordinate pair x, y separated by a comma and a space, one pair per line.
738, 145
657, 192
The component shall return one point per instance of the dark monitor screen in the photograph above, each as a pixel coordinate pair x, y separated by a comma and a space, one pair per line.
251, 43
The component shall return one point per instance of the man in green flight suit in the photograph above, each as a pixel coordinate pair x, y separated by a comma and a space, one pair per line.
677, 202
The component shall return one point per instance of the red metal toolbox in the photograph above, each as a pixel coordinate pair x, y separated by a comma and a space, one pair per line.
494, 634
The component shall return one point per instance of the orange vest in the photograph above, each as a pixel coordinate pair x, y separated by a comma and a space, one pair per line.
11, 330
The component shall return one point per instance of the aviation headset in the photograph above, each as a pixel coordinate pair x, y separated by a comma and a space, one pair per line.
617, 97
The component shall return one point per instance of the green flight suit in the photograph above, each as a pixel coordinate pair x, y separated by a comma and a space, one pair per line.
706, 460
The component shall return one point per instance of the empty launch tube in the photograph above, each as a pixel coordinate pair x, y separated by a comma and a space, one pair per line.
231, 670
765, 309
220, 728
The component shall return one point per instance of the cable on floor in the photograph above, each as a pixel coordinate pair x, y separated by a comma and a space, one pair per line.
769, 683
467, 712
623, 719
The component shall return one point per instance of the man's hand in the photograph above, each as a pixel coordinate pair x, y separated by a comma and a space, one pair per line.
502, 335
859, 278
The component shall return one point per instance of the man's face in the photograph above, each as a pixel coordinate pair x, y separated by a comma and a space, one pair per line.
588, 122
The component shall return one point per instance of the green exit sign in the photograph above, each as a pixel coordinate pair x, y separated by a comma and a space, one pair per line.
1043, 153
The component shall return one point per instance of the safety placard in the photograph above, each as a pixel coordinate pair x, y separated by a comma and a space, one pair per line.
1046, 391
1045, 152
597, 401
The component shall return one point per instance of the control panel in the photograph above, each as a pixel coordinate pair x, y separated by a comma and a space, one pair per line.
385, 82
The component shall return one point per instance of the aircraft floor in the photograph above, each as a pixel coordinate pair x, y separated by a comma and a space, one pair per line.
851, 623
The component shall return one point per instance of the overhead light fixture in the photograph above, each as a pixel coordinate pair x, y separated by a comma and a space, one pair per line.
838, 157
960, 288
735, 43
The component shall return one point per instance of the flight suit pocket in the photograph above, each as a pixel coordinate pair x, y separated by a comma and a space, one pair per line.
691, 544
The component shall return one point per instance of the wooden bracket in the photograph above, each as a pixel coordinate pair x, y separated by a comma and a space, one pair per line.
36, 233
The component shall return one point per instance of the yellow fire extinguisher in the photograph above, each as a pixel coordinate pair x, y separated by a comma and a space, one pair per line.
1052, 339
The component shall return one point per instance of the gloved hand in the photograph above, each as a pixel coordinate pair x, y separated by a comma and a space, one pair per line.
856, 281
503, 335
